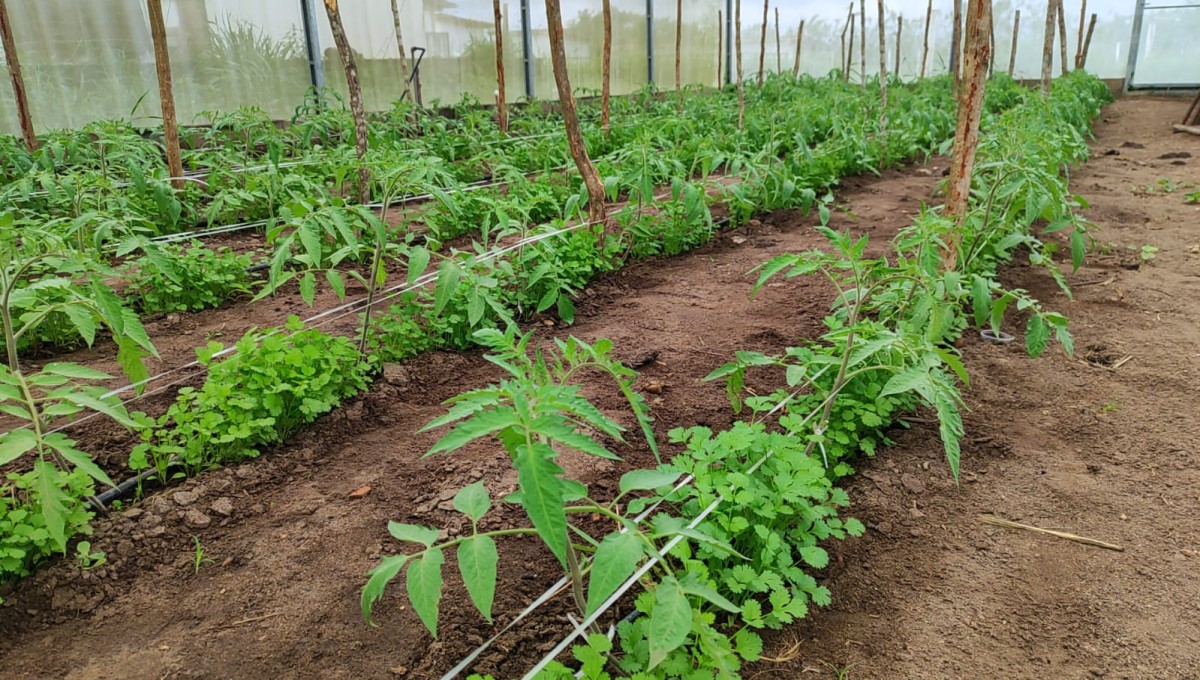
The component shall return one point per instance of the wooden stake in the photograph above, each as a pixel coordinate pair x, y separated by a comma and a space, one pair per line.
1079, 42
678, 45
741, 86
1062, 36
162, 64
862, 40
799, 44
977, 52
991, 519
566, 101
357, 109
925, 42
899, 35
992, 41
956, 46
400, 42
845, 63
18, 81
762, 44
501, 100
1048, 46
778, 49
882, 71
606, 68
1012, 52
720, 46
1087, 42
850, 54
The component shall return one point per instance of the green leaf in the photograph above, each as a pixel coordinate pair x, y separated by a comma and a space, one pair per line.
950, 427
814, 556
80, 459
74, 371
84, 321
981, 300
481, 424
616, 558
566, 309
424, 585
646, 480
473, 501
1078, 250
477, 559
670, 620
447, 284
692, 585
542, 496
413, 533
380, 577
308, 288
1037, 335
336, 282
912, 379
108, 407
51, 501
14, 444
418, 261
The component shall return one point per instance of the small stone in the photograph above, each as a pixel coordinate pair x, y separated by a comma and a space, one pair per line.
912, 483
399, 670
184, 498
548, 322
156, 531
654, 387
134, 513
755, 223
196, 519
222, 507
360, 492
354, 411
395, 375
738, 240
915, 513
150, 520
1187, 552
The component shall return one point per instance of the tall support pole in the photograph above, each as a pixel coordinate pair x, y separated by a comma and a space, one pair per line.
650, 41
400, 38
899, 36
883, 76
741, 85
1079, 42
992, 41
977, 54
850, 49
166, 93
956, 45
1012, 52
845, 62
799, 45
729, 68
312, 44
862, 40
1135, 40
925, 42
18, 82
678, 47
1087, 42
762, 44
357, 110
1062, 36
778, 48
606, 69
720, 44
527, 49
566, 100
501, 95
1048, 45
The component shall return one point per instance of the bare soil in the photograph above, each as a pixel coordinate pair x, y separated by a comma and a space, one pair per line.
1084, 445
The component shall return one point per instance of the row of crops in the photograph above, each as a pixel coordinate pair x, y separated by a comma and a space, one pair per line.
490, 232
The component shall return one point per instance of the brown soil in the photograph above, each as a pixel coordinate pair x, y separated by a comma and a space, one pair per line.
929, 592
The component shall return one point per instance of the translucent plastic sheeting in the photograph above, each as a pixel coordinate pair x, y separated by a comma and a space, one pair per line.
698, 44
583, 36
1165, 53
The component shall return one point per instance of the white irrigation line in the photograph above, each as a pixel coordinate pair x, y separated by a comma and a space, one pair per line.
558, 587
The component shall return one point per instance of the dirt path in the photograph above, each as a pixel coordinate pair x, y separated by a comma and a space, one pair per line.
276, 594
1065, 444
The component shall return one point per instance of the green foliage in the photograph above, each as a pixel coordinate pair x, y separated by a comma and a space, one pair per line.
198, 279
26, 538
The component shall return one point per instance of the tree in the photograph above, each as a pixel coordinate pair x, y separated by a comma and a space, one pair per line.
566, 99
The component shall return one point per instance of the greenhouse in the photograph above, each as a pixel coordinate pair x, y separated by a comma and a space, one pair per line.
599, 339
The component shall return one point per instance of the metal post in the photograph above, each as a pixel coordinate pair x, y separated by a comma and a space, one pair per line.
728, 41
312, 43
1134, 42
527, 48
650, 41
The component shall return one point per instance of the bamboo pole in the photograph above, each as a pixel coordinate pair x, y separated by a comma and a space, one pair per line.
925, 42
845, 62
1087, 42
778, 48
741, 85
1048, 46
566, 101
799, 44
1079, 42
162, 65
720, 46
400, 40
1062, 36
762, 43
899, 35
25, 119
501, 96
956, 45
850, 54
882, 71
678, 46
862, 40
606, 68
977, 54
357, 109
1012, 52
